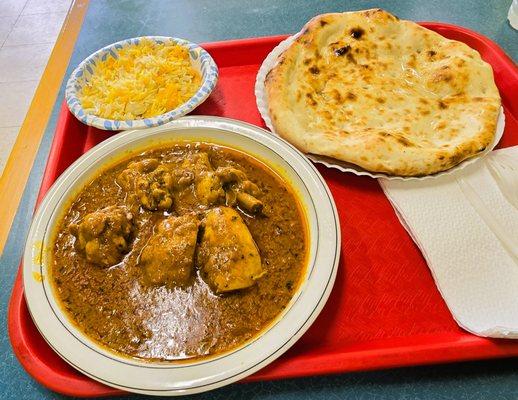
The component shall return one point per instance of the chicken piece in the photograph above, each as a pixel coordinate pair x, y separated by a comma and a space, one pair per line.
249, 203
168, 257
207, 185
227, 255
104, 235
250, 188
149, 183
230, 197
239, 189
182, 178
231, 175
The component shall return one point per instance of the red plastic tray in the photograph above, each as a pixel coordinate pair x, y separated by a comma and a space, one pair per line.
384, 311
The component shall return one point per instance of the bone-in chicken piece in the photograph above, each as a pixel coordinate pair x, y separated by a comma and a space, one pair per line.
104, 235
230, 175
239, 189
168, 257
227, 255
207, 185
249, 203
149, 183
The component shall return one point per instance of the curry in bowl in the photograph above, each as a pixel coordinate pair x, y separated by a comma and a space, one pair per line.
181, 252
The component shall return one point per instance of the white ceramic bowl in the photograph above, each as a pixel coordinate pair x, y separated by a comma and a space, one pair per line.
200, 60
184, 378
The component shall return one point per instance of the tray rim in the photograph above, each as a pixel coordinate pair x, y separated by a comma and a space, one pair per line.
456, 347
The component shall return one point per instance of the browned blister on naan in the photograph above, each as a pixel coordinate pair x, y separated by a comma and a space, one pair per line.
385, 94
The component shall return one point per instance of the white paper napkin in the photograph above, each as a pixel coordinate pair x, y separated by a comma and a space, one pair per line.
466, 226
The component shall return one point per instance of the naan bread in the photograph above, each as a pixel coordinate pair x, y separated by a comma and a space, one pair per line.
383, 93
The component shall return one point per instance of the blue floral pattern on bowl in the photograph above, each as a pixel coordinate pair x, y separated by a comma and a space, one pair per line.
200, 60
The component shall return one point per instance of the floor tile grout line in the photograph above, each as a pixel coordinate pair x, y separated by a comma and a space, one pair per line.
27, 44
23, 15
24, 7
22, 80
45, 12
24, 44
10, 31
14, 24
11, 46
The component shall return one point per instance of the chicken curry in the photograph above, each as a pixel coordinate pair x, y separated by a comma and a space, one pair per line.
180, 252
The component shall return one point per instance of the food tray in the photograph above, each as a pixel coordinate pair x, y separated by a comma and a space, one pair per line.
384, 311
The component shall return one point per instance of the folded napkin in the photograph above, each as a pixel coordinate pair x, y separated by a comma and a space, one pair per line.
466, 225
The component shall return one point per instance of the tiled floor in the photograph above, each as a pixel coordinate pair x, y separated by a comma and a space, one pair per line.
28, 31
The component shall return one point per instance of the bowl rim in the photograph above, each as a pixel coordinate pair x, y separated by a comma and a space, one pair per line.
223, 369
208, 84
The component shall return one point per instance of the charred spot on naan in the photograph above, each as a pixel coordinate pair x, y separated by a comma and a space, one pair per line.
341, 51
311, 100
337, 96
400, 138
357, 33
350, 96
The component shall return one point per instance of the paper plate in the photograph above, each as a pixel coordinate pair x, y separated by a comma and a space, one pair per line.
200, 60
262, 104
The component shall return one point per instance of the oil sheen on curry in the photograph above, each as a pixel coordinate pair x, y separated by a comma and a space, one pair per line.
180, 252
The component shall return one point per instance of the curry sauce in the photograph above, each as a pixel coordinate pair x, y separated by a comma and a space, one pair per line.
180, 252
